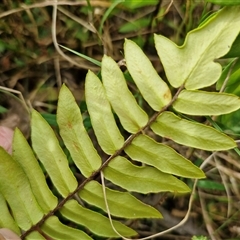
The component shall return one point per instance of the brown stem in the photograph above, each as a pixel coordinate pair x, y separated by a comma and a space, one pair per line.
96, 173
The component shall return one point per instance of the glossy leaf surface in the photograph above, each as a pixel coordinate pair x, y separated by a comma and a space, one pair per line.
132, 117
74, 134
206, 103
153, 88
103, 122
142, 179
23, 154
164, 158
121, 204
95, 222
190, 133
192, 63
16, 190
49, 152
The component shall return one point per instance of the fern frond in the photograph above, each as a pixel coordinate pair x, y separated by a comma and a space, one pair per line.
153, 89
23, 154
95, 222
198, 135
164, 158
194, 102
121, 204
142, 179
193, 63
99, 108
30, 207
6, 217
49, 152
131, 115
74, 134
16, 189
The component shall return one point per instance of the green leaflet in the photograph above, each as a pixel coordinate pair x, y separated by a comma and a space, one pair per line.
164, 158
225, 2
34, 236
6, 219
95, 222
133, 4
56, 230
154, 90
211, 185
94, 61
233, 79
142, 179
235, 49
15, 188
74, 134
191, 134
107, 13
192, 63
49, 152
132, 117
22, 153
231, 121
3, 109
121, 204
135, 26
206, 103
103, 122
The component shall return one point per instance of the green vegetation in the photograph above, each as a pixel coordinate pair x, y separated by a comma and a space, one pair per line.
133, 108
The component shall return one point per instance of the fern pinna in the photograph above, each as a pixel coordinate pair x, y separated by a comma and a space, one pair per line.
138, 164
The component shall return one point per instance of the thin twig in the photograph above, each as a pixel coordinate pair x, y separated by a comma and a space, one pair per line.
77, 19
54, 35
57, 71
25, 7
207, 218
17, 92
182, 222
224, 181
